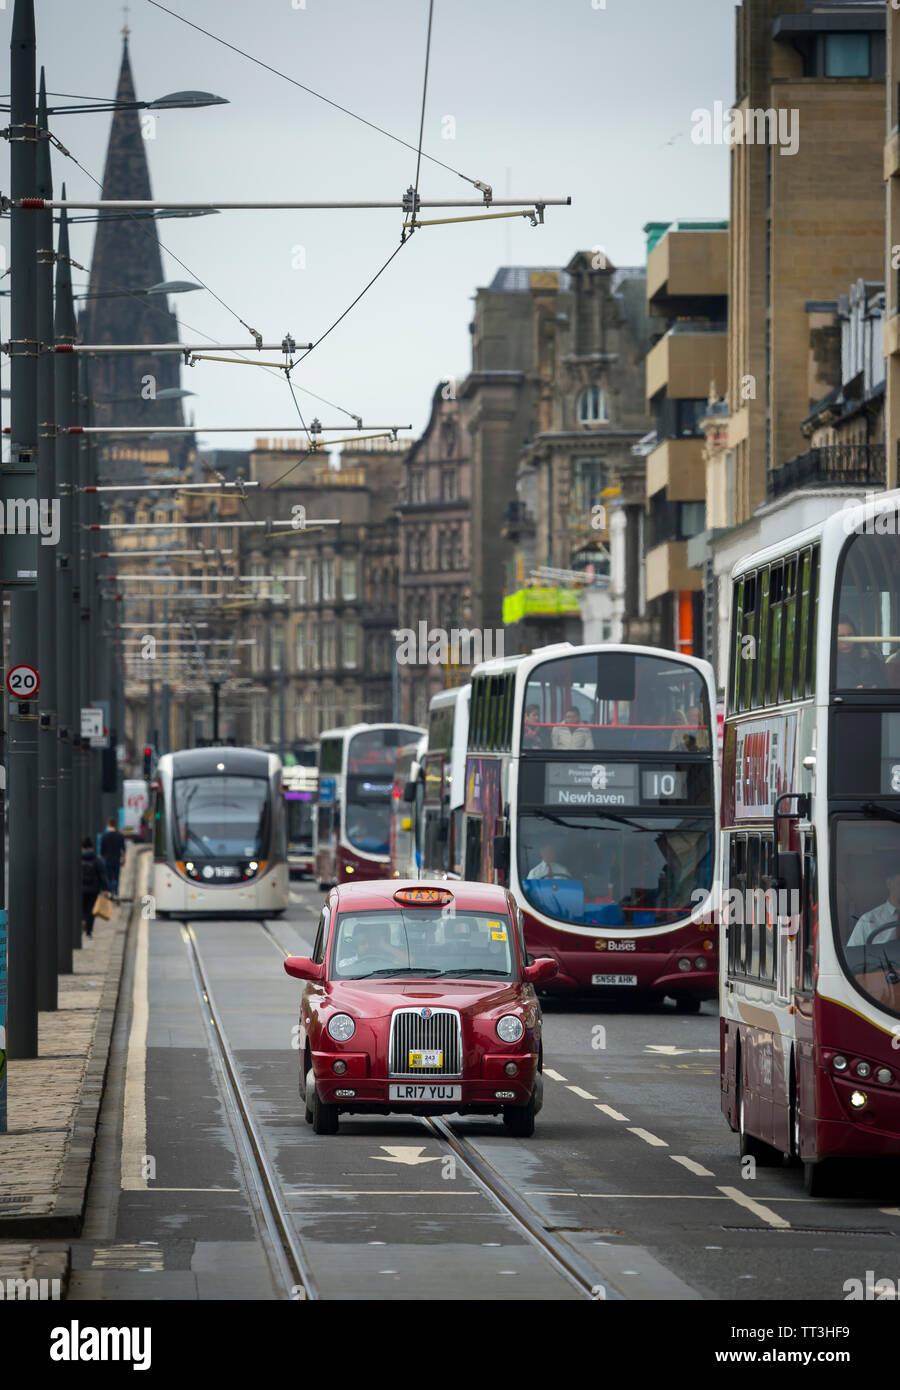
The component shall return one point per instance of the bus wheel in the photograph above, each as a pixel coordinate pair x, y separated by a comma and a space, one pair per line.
751, 1147
794, 1121
687, 1004
519, 1119
324, 1117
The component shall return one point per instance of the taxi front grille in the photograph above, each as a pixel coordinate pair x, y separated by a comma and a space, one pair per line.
441, 1032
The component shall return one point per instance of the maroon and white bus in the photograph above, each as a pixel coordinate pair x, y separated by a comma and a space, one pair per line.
809, 896
592, 792
353, 807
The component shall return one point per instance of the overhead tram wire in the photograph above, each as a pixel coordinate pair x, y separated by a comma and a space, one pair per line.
311, 92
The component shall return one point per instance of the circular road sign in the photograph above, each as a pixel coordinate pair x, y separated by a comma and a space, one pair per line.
22, 682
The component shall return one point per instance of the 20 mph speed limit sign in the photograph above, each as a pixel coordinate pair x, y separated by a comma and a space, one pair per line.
22, 682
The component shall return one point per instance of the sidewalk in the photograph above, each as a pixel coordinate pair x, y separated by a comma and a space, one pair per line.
54, 1099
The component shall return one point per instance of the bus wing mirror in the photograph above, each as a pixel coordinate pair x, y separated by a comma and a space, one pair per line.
409, 791
501, 853
302, 968
539, 970
790, 875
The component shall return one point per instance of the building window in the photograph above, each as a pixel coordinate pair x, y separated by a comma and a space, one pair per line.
458, 559
448, 485
328, 590
588, 481
314, 648
300, 594
417, 486
278, 586
277, 646
847, 55
592, 405
329, 658
316, 585
444, 550
301, 647
348, 578
349, 644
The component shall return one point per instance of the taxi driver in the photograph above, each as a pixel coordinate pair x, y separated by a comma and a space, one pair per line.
372, 949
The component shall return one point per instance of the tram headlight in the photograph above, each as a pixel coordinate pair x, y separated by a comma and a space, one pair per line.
253, 865
884, 1076
510, 1028
341, 1027
863, 1069
839, 1063
858, 1099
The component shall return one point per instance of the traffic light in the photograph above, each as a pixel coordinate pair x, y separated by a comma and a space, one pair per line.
148, 758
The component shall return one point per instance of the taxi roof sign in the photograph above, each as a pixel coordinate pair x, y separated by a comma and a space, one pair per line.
423, 897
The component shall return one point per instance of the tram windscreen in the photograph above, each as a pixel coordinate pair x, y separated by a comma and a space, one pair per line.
299, 806
370, 779
220, 817
866, 905
615, 701
613, 870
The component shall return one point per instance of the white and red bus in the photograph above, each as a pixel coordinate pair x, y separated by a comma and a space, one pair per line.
406, 811
299, 780
592, 791
353, 807
445, 783
810, 858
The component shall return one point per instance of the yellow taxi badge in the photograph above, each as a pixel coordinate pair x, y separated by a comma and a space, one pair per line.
423, 1058
498, 935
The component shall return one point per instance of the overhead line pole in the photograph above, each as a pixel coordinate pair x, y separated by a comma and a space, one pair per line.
68, 615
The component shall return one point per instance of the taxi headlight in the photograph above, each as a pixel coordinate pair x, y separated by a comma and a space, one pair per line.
509, 1028
341, 1027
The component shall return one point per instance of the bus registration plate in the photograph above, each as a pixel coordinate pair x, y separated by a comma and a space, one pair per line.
614, 979
431, 1091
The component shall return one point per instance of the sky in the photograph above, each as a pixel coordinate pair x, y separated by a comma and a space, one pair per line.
542, 98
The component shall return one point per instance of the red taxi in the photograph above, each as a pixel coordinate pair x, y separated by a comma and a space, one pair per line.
420, 1000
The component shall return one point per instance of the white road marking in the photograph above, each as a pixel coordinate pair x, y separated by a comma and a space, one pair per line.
669, 1051
404, 1153
692, 1166
134, 1118
764, 1213
585, 1095
647, 1137
553, 1075
613, 1114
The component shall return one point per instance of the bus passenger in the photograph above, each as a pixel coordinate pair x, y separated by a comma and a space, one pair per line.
571, 733
534, 735
857, 665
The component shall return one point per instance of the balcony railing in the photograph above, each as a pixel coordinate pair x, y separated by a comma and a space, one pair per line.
832, 465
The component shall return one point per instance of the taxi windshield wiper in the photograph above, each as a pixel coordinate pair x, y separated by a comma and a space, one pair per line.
478, 970
871, 808
394, 970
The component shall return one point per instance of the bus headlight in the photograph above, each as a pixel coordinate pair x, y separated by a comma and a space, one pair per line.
863, 1069
858, 1099
700, 962
341, 1027
884, 1076
839, 1063
684, 963
509, 1028
348, 868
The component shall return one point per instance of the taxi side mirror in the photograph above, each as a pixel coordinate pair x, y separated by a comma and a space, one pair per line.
540, 970
302, 968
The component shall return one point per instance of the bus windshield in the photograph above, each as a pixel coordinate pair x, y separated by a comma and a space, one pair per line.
615, 701
615, 869
219, 817
370, 778
866, 645
866, 910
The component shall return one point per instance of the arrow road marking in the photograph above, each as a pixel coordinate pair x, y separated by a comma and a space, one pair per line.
664, 1050
403, 1153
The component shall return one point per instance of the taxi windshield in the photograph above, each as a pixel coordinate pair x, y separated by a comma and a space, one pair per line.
426, 942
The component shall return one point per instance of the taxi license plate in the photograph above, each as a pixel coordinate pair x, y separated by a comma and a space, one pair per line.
430, 1057
430, 1091
614, 979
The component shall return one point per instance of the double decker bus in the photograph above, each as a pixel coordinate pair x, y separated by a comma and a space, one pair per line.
445, 783
592, 791
406, 811
809, 897
353, 806
300, 780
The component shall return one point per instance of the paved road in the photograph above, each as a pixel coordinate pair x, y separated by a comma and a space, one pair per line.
632, 1173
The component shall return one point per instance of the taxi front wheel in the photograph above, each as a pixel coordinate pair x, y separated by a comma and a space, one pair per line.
324, 1117
519, 1119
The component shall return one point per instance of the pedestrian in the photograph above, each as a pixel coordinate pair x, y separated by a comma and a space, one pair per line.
93, 881
112, 848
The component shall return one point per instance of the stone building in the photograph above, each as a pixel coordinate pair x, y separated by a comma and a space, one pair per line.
435, 552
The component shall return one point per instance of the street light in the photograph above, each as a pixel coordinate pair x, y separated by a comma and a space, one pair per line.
174, 101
